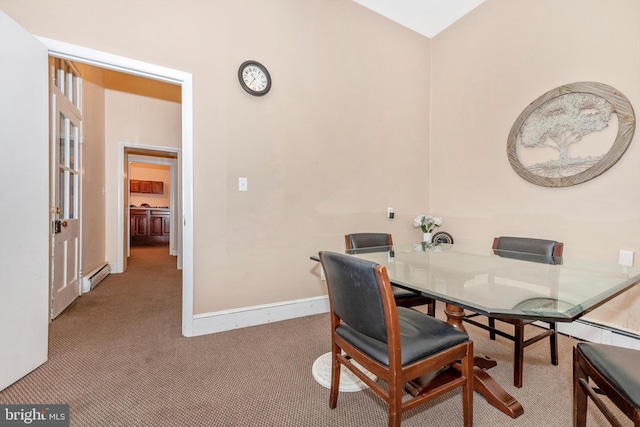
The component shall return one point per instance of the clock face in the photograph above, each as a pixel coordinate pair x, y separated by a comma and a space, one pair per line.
254, 78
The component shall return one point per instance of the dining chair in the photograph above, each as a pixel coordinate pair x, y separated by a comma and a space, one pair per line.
404, 298
553, 251
396, 344
614, 371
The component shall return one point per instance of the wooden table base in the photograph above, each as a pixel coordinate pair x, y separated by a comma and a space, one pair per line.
482, 382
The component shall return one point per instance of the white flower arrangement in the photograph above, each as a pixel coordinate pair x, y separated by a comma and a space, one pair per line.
427, 223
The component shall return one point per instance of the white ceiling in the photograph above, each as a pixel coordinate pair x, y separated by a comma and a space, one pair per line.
427, 17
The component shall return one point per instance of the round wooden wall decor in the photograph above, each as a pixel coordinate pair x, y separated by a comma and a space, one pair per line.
571, 134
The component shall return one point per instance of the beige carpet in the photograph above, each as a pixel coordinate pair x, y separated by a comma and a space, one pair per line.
118, 358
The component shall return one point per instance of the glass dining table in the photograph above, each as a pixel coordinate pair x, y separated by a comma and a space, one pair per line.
501, 284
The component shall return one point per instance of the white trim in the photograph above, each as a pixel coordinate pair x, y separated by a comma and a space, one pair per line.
109, 61
185, 80
599, 334
226, 320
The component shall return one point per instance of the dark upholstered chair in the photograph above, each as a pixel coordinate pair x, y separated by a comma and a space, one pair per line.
615, 373
552, 250
404, 298
394, 343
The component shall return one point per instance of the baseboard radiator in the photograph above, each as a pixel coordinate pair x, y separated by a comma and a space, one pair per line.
96, 276
598, 333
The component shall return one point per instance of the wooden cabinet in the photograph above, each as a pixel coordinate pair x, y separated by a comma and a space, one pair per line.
150, 187
149, 225
139, 222
157, 187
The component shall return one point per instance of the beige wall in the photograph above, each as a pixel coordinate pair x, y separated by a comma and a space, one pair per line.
93, 169
342, 135
149, 172
486, 69
138, 112
357, 121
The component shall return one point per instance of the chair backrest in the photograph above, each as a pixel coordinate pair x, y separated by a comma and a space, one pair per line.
528, 245
358, 293
367, 240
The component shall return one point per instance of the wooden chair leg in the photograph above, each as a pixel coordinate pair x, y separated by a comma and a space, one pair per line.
467, 389
579, 394
553, 342
518, 354
395, 403
335, 378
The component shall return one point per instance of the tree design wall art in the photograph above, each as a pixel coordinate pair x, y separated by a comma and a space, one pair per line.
571, 134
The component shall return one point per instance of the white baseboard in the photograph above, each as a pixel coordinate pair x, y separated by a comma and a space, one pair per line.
597, 333
226, 320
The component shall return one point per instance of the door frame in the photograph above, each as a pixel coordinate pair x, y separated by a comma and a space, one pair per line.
185, 81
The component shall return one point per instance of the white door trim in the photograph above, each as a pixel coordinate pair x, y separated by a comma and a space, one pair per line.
185, 80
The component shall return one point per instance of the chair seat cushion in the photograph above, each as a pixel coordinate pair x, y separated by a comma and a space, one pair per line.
420, 336
618, 365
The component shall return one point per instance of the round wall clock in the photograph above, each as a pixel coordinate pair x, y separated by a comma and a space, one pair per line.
254, 78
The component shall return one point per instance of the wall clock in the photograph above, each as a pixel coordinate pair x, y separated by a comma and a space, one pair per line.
254, 78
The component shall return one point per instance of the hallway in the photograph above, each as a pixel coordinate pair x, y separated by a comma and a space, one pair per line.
102, 348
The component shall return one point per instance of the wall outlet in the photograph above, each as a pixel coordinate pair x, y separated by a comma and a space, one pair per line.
625, 258
243, 184
390, 213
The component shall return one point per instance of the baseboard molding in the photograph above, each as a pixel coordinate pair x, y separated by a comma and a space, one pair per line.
595, 332
226, 320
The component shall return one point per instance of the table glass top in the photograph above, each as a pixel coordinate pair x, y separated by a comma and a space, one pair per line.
504, 283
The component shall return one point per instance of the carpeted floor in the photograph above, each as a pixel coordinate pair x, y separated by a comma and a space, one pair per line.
118, 358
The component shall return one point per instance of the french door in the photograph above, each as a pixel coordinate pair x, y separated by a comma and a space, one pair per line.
66, 137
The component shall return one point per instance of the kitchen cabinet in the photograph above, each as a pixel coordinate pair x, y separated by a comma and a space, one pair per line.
149, 225
149, 187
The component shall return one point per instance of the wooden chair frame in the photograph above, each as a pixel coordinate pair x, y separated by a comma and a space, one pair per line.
518, 335
582, 372
395, 375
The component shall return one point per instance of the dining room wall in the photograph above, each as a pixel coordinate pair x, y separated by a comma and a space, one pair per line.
341, 136
487, 68
365, 114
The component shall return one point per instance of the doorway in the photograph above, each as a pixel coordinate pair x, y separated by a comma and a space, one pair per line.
184, 80
153, 215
